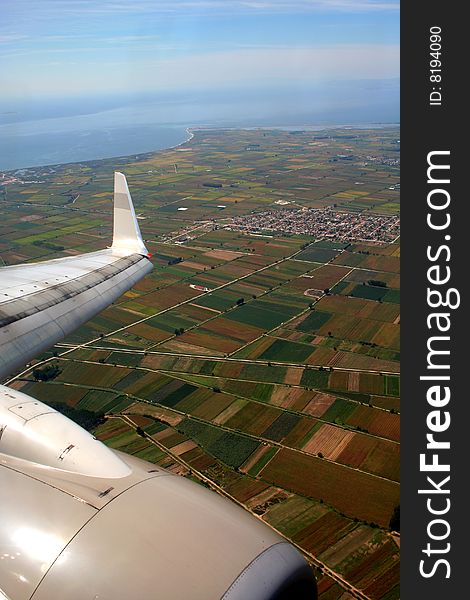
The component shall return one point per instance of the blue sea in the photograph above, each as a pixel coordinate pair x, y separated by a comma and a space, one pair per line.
75, 139
47, 131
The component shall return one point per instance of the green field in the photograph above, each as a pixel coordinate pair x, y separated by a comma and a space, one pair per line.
285, 351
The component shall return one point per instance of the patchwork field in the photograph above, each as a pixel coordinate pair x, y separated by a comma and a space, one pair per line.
262, 363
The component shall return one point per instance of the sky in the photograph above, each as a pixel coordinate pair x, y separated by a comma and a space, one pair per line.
80, 48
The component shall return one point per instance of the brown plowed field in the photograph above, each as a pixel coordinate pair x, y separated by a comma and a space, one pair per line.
319, 404
322, 278
226, 327
293, 376
352, 492
329, 440
377, 422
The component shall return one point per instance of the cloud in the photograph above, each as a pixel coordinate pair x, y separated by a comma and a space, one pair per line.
303, 65
309, 5
281, 67
112, 45
11, 38
60, 8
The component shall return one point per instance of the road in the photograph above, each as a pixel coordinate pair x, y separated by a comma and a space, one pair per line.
239, 431
355, 592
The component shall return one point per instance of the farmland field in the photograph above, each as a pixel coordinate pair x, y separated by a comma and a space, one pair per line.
315, 478
259, 359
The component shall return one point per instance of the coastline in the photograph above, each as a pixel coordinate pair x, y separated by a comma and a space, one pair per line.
191, 132
188, 131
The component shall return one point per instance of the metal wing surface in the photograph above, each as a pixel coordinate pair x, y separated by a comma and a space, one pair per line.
41, 303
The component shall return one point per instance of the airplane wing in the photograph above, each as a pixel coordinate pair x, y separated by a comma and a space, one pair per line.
81, 521
41, 303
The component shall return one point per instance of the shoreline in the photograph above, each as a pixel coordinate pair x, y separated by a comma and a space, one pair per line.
191, 132
187, 130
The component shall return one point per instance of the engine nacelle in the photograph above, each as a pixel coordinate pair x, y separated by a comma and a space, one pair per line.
80, 521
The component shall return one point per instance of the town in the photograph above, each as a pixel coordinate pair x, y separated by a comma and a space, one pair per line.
326, 223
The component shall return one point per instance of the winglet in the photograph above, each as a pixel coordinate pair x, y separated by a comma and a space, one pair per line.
126, 235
